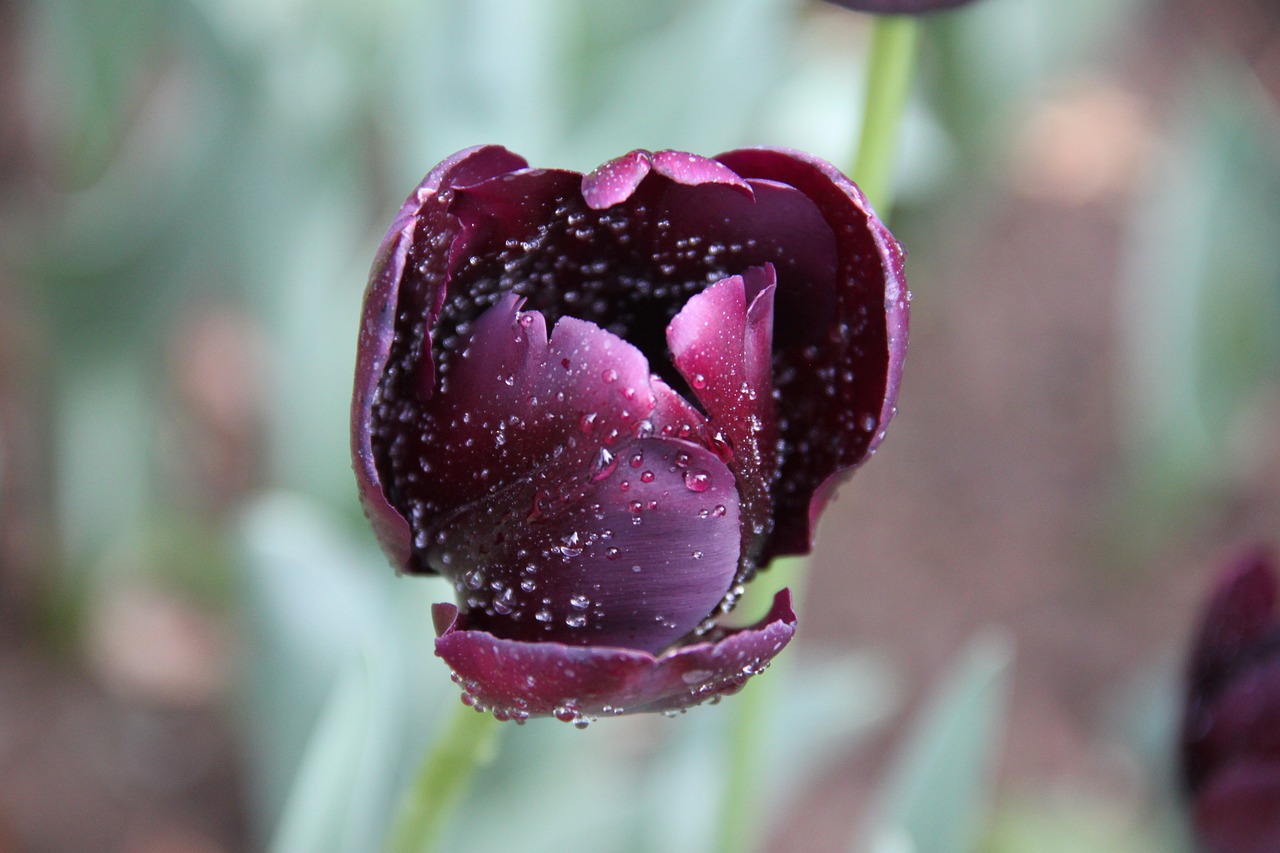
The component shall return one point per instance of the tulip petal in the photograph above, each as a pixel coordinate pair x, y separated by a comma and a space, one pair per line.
522, 679
1241, 721
613, 182
635, 551
722, 343
1241, 612
1238, 811
514, 401
379, 333
837, 388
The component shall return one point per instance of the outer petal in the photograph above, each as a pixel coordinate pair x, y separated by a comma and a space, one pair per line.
836, 393
1241, 613
1239, 810
635, 551
1242, 722
1234, 677
722, 343
519, 679
378, 329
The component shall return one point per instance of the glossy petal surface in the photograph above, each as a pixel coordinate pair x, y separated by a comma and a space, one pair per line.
722, 343
839, 340
599, 403
520, 679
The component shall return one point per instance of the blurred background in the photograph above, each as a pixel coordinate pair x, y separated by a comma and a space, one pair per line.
203, 651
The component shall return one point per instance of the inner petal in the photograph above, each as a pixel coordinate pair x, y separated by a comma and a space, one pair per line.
722, 343
515, 402
635, 550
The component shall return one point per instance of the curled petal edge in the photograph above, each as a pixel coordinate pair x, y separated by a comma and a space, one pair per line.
377, 330
518, 680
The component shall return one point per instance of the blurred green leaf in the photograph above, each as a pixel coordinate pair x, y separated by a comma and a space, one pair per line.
935, 797
317, 607
319, 812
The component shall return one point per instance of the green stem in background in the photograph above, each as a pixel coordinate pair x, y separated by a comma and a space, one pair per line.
894, 39
468, 741
742, 813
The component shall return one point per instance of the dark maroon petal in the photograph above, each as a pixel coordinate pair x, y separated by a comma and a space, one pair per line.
1242, 721
1240, 614
520, 679
613, 182
616, 181
837, 373
695, 170
634, 551
898, 7
1233, 685
378, 329
722, 343
515, 402
1239, 810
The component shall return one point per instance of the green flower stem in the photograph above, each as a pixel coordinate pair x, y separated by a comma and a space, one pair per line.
741, 821
468, 741
894, 40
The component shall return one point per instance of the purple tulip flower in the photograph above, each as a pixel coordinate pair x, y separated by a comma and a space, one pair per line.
1231, 733
898, 7
599, 403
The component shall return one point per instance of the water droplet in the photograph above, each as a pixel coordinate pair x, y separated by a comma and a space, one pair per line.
697, 481
637, 459
868, 423
605, 464
697, 555
609, 375
528, 584
682, 460
581, 602
576, 620
719, 511
646, 477
611, 553
543, 615
699, 381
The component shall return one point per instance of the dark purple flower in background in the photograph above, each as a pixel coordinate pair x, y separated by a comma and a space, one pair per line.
1231, 733
598, 404
899, 7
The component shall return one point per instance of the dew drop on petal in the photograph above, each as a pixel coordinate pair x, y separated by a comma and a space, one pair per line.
697, 481
604, 465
